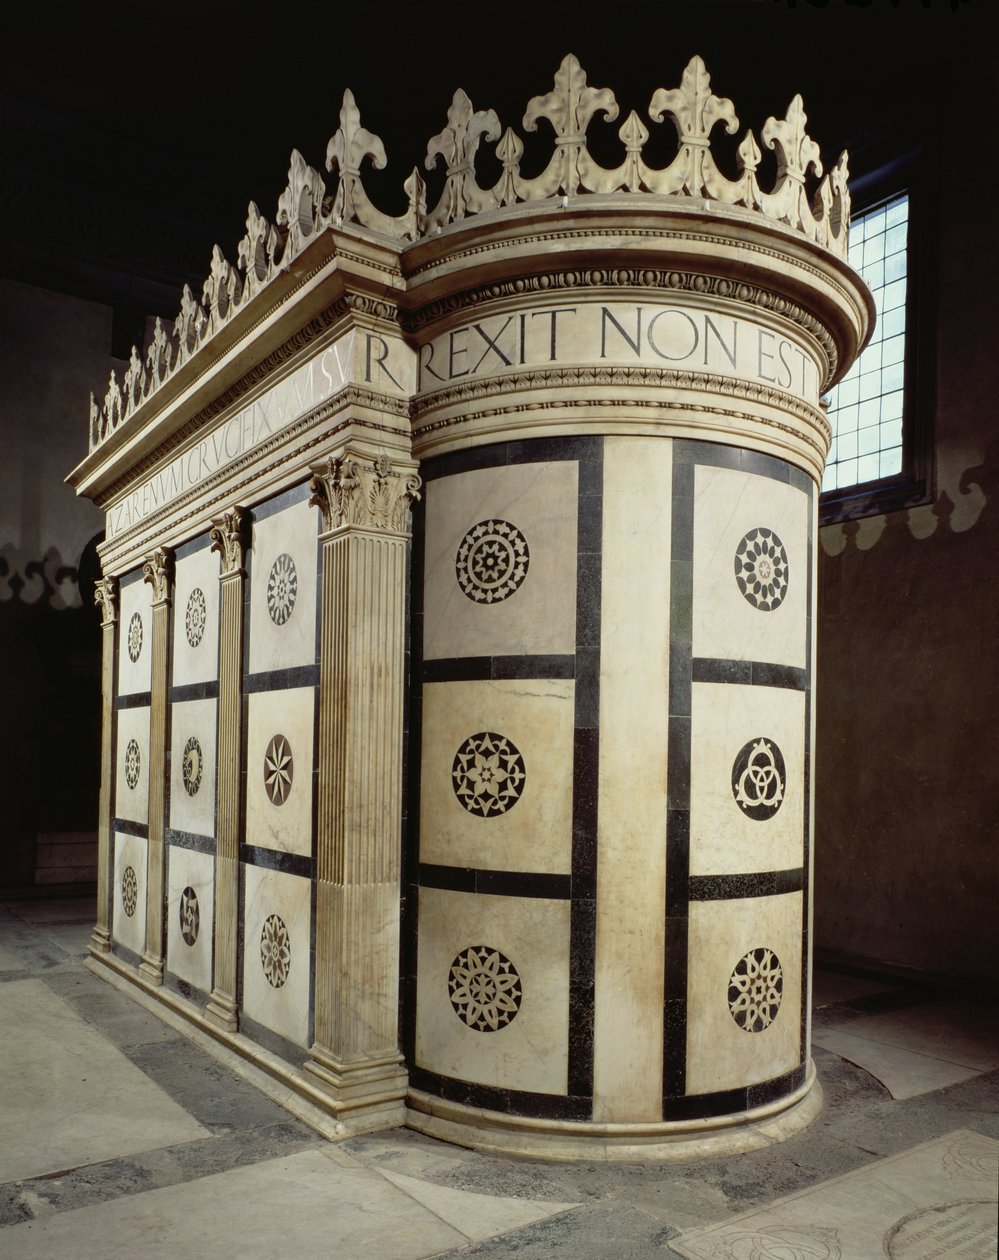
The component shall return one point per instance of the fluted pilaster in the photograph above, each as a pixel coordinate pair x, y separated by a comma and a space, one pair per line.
106, 595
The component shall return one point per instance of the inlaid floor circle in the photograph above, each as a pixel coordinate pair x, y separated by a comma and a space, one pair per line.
133, 763
134, 637
484, 988
282, 589
492, 561
275, 951
488, 774
279, 769
129, 891
759, 778
190, 916
761, 569
755, 990
195, 617
192, 766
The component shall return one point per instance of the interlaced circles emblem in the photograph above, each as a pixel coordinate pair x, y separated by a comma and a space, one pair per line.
492, 561
134, 637
191, 766
755, 990
484, 988
275, 951
129, 891
758, 778
488, 774
195, 617
133, 763
282, 589
761, 569
190, 916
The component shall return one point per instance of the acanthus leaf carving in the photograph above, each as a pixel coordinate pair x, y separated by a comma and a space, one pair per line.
369, 496
228, 539
106, 598
157, 570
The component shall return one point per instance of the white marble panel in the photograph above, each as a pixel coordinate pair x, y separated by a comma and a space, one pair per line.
520, 818
524, 991
729, 506
724, 1051
192, 766
283, 589
135, 631
196, 618
279, 760
737, 830
276, 947
128, 913
538, 615
190, 907
132, 770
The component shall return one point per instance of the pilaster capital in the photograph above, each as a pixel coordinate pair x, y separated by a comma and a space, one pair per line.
158, 571
106, 597
228, 540
367, 494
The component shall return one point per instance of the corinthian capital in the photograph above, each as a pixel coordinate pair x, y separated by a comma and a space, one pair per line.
157, 571
349, 491
106, 597
227, 540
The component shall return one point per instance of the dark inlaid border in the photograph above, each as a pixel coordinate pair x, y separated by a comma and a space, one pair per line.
134, 700
518, 1102
681, 887
282, 679
499, 883
277, 860
195, 691
471, 668
129, 828
189, 840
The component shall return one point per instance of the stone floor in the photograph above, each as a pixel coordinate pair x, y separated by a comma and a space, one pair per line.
119, 1137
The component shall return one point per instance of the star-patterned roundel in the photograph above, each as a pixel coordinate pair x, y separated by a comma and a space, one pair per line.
492, 561
129, 891
484, 988
279, 769
195, 617
275, 951
755, 990
282, 589
192, 765
488, 774
134, 637
133, 763
761, 569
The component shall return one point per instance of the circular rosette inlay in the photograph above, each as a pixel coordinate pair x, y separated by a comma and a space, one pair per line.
761, 569
192, 765
134, 637
282, 589
129, 891
279, 768
133, 763
492, 561
758, 779
488, 774
484, 988
755, 990
275, 951
190, 916
195, 617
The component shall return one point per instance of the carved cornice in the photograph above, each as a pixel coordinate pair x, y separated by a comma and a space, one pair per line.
157, 570
106, 598
306, 209
369, 496
228, 540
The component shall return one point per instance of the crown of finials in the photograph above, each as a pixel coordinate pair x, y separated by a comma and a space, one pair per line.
307, 207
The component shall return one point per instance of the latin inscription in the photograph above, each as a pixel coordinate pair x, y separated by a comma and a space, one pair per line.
619, 333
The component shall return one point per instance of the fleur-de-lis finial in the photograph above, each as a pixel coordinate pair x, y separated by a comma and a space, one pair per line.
569, 107
797, 154
348, 147
457, 145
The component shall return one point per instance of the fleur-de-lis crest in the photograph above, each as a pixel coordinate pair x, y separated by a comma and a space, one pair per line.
113, 402
571, 103
796, 152
457, 145
256, 249
189, 324
349, 145
693, 107
158, 354
300, 205
133, 382
221, 288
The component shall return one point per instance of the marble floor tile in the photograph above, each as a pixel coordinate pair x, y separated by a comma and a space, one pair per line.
830, 986
70, 1097
9, 960
936, 1200
52, 909
904, 1073
965, 1033
74, 938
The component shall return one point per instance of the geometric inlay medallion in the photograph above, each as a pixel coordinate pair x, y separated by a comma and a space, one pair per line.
129, 891
275, 951
485, 989
278, 769
134, 637
492, 561
282, 589
755, 989
195, 617
758, 778
761, 569
133, 763
192, 765
488, 774
190, 916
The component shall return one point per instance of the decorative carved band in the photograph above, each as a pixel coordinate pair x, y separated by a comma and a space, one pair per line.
157, 571
227, 539
348, 492
106, 596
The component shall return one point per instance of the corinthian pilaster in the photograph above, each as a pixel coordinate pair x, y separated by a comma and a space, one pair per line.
106, 595
228, 540
365, 505
158, 572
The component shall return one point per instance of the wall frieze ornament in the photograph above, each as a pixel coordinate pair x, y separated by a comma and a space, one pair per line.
228, 540
817, 208
371, 495
106, 598
157, 570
